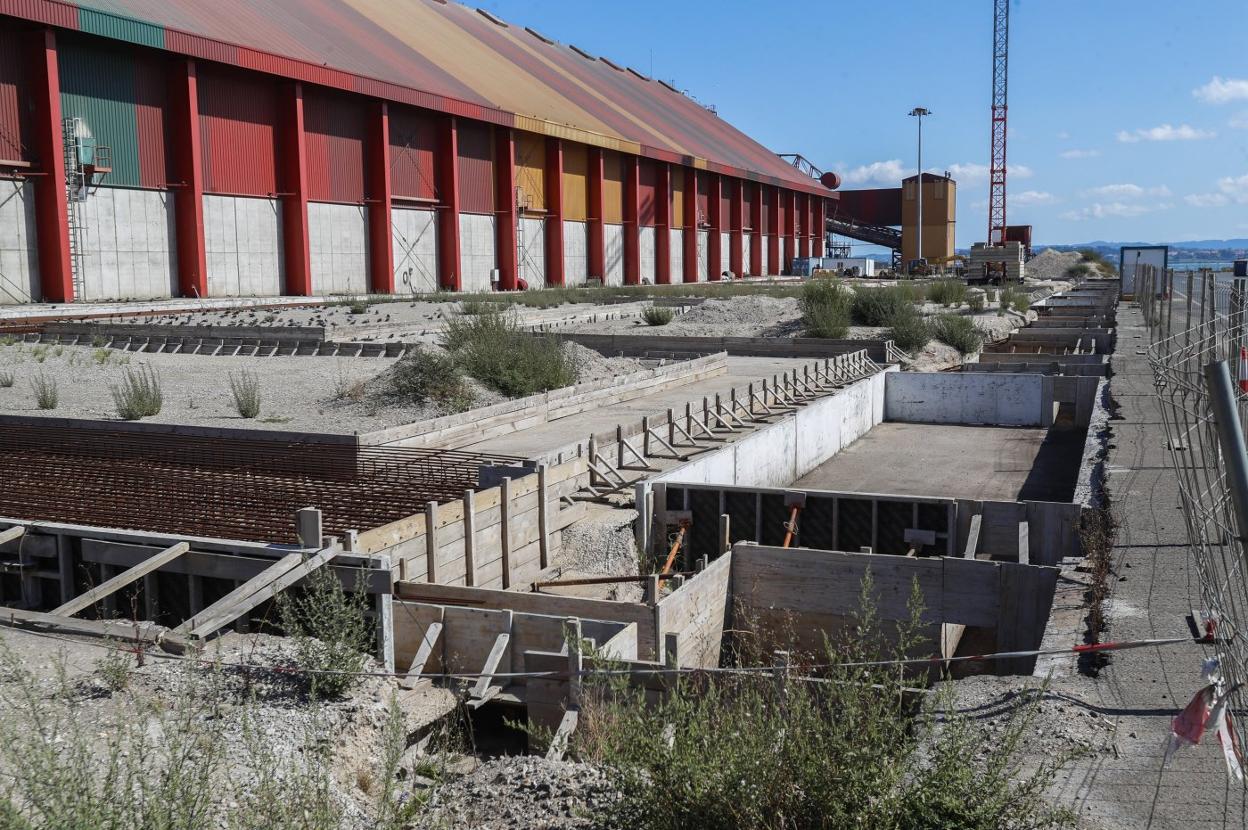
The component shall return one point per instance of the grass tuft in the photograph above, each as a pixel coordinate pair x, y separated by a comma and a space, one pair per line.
330, 631
423, 375
245, 388
497, 351
7, 379
47, 393
657, 315
139, 395
910, 332
959, 332
881, 306
825, 306
949, 293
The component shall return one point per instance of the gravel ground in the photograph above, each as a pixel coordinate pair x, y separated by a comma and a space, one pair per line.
522, 792
298, 394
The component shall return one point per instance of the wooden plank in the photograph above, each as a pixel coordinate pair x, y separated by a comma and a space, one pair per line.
543, 524
11, 533
433, 634
1024, 542
972, 537
559, 743
505, 534
470, 538
127, 632
484, 690
282, 566
79, 604
431, 541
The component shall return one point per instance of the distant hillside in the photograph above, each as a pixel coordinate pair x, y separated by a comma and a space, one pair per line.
1207, 250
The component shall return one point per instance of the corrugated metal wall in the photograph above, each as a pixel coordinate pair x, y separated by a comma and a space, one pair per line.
335, 127
14, 100
476, 168
612, 187
531, 169
575, 182
645, 203
413, 145
767, 191
725, 208
704, 196
678, 197
747, 200
237, 131
120, 95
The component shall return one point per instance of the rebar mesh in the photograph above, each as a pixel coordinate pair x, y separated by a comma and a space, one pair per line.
1191, 325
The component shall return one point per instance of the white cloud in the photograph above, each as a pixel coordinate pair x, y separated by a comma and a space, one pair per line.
888, 173
1126, 191
1230, 189
1032, 197
1222, 90
1079, 154
1205, 200
1239, 121
1099, 210
1165, 132
973, 173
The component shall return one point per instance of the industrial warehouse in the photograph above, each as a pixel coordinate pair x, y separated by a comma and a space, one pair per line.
410, 419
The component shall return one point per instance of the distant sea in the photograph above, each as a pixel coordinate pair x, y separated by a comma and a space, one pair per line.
1197, 264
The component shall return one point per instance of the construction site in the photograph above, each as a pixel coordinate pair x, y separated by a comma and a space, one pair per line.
410, 420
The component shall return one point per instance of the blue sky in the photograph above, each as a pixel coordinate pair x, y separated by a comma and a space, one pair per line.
1128, 118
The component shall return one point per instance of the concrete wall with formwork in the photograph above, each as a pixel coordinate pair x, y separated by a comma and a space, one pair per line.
696, 615
803, 596
128, 244
338, 245
1099, 340
676, 254
19, 250
647, 255
1039, 366
477, 245
704, 262
531, 251
642, 345
414, 234
969, 398
576, 253
776, 454
243, 246
613, 252
493, 538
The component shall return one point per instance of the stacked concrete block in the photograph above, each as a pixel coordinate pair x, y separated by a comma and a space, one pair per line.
1010, 254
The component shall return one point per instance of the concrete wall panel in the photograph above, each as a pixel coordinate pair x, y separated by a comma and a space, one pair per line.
477, 251
647, 257
531, 241
575, 253
243, 238
128, 245
338, 238
766, 246
968, 398
746, 245
704, 262
725, 245
19, 253
676, 250
415, 235
614, 248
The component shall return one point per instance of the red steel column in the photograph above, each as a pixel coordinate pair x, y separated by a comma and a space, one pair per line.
690, 221
380, 225
803, 240
597, 262
736, 220
818, 226
447, 186
662, 223
554, 212
56, 269
293, 152
507, 211
756, 234
632, 221
188, 179
776, 242
714, 250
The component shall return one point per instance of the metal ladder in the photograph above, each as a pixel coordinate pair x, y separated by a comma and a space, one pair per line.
75, 191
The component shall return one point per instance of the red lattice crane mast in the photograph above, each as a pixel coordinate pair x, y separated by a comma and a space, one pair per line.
1000, 77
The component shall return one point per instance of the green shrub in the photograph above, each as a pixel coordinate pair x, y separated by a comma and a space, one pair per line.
245, 388
976, 301
423, 375
497, 351
1098, 261
139, 394
357, 307
7, 379
947, 292
1078, 271
778, 749
959, 332
825, 307
47, 393
880, 306
1014, 300
332, 636
657, 315
477, 307
910, 331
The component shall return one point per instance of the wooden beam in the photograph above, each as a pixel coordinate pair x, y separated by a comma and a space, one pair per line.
1024, 543
281, 566
9, 534
484, 689
82, 603
127, 632
972, 537
430, 641
559, 743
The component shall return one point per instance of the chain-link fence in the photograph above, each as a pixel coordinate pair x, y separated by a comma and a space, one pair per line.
1196, 331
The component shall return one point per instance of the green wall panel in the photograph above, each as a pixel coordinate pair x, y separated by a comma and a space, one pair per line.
98, 86
120, 28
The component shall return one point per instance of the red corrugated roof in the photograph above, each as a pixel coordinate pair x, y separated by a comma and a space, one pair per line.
448, 57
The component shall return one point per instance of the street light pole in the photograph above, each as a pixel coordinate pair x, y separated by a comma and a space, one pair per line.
919, 112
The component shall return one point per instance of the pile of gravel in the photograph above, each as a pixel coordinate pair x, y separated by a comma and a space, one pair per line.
1051, 264
523, 791
601, 543
594, 365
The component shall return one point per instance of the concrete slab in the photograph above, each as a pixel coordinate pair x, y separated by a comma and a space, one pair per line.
1140, 446
993, 463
